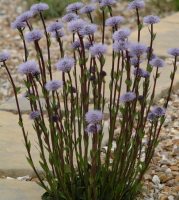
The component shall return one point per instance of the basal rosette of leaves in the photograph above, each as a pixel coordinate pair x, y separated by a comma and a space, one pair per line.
70, 126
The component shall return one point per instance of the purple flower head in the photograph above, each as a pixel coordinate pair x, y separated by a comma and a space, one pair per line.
137, 49
88, 29
73, 89
157, 62
174, 51
4, 55
158, 111
74, 7
120, 46
76, 44
29, 67
25, 16
34, 35
153, 56
88, 45
93, 116
141, 73
136, 4
107, 3
55, 118
135, 61
34, 115
55, 26
87, 9
53, 85
98, 49
121, 34
103, 74
114, 21
39, 7
76, 25
17, 24
58, 34
140, 97
93, 128
127, 97
151, 116
65, 64
70, 17
151, 19
148, 50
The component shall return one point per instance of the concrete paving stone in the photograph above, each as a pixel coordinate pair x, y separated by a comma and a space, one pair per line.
13, 162
17, 190
10, 105
167, 35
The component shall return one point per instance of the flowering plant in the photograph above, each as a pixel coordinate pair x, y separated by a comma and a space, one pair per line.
70, 124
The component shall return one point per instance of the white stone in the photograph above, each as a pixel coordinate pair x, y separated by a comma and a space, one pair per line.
168, 171
170, 197
24, 178
9, 178
175, 149
156, 180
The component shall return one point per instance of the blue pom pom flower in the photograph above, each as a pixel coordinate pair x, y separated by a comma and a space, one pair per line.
93, 116
53, 85
34, 35
128, 97
65, 64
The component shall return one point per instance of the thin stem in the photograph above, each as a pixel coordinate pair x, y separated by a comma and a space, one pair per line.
139, 24
48, 44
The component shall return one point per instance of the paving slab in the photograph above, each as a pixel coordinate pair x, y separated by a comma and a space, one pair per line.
17, 190
13, 162
12, 150
10, 105
167, 35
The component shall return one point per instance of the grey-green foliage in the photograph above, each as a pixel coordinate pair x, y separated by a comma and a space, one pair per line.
166, 4
176, 4
56, 6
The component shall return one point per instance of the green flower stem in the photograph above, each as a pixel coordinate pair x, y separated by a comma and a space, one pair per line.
21, 33
60, 45
151, 43
38, 131
103, 26
118, 74
138, 24
43, 70
128, 70
48, 44
29, 25
151, 97
94, 164
111, 134
110, 11
172, 81
90, 17
72, 119
77, 100
84, 96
